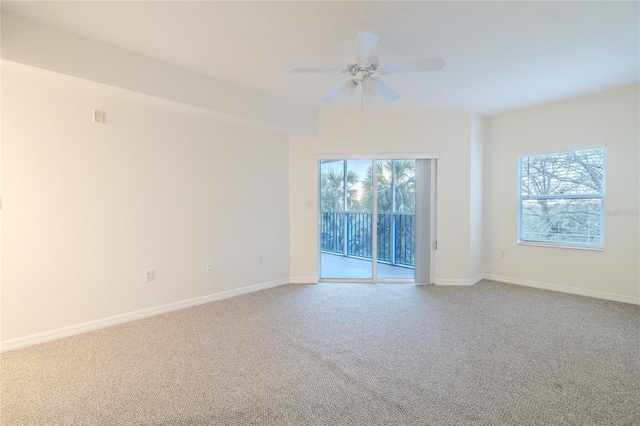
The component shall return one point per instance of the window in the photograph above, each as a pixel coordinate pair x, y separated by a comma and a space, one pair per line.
561, 199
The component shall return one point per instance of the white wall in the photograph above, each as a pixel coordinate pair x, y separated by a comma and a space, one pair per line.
88, 207
610, 118
447, 133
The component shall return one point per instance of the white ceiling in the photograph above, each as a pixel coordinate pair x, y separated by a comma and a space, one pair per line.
499, 56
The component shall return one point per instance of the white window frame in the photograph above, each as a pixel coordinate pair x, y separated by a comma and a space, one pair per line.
560, 244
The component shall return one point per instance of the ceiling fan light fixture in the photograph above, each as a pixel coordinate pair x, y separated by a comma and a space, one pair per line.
360, 76
368, 82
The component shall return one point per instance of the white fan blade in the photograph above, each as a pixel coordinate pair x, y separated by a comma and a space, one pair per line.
349, 87
367, 43
433, 64
316, 71
387, 93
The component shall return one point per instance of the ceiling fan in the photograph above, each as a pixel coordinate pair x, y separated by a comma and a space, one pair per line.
363, 68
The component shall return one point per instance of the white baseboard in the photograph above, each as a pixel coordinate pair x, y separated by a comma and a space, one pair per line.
565, 289
59, 333
303, 280
460, 282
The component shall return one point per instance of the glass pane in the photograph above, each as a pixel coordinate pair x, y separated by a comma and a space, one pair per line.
396, 219
346, 228
332, 185
359, 219
332, 232
405, 186
359, 185
332, 206
383, 179
579, 172
567, 221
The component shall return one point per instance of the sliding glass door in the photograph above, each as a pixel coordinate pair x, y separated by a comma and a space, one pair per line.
353, 215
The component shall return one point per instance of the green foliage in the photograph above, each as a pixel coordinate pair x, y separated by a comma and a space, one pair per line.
404, 172
332, 190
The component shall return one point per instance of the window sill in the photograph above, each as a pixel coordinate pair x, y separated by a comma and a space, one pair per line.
561, 245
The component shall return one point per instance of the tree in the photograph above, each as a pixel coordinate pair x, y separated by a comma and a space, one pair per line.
332, 187
401, 226
404, 172
331, 190
332, 205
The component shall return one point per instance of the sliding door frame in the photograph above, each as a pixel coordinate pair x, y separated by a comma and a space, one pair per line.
374, 157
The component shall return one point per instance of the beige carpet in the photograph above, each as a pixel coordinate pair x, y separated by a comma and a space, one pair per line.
344, 354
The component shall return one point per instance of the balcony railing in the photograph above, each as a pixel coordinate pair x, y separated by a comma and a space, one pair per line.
350, 234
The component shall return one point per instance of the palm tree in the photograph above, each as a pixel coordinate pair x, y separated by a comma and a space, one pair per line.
332, 203
332, 187
404, 172
331, 190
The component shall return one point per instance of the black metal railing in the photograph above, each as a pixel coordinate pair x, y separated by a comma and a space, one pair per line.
350, 234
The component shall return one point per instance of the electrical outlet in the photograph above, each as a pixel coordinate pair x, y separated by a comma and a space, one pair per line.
98, 116
149, 275
210, 265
